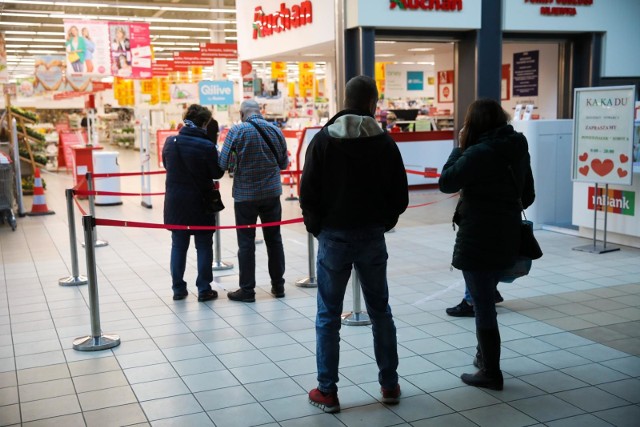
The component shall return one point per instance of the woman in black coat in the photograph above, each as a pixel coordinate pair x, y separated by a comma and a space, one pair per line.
488, 216
191, 160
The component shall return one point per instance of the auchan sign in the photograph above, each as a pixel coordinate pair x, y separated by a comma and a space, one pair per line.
430, 5
284, 19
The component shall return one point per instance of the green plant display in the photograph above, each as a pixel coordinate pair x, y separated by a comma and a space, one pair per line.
24, 113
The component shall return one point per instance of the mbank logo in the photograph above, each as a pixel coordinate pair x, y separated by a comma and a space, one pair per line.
617, 201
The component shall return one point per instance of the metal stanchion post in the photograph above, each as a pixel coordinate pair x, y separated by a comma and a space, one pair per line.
356, 317
17, 168
145, 161
75, 279
97, 340
311, 281
92, 211
218, 264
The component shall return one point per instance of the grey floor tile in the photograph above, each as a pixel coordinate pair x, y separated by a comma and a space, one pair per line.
241, 416
585, 420
546, 408
319, 420
627, 365
451, 420
464, 398
10, 414
116, 416
101, 381
224, 398
8, 396
170, 407
626, 416
595, 373
501, 415
145, 374
210, 381
560, 359
143, 358
293, 407
435, 381
591, 399
200, 419
258, 373
47, 389
48, 408
628, 390
160, 389
94, 366
553, 381
414, 408
598, 352
354, 417
73, 420
100, 399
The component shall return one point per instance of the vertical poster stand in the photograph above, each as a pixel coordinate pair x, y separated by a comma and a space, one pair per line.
602, 147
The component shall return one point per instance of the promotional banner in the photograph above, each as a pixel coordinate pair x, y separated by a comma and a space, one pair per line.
219, 50
215, 92
87, 47
49, 73
415, 80
306, 75
445, 86
4, 72
603, 135
186, 93
279, 71
26, 87
130, 50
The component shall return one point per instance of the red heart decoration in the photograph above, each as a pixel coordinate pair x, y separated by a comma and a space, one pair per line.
602, 168
622, 173
584, 170
583, 157
623, 158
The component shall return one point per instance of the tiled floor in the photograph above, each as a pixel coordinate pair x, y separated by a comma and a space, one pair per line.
571, 336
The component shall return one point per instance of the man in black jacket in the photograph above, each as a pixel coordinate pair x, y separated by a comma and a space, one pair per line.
353, 189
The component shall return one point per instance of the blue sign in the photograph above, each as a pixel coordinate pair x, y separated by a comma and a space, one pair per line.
215, 92
415, 80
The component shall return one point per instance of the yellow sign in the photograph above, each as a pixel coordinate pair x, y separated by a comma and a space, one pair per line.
279, 71
307, 76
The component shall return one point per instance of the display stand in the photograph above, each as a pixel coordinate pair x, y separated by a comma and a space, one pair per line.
595, 248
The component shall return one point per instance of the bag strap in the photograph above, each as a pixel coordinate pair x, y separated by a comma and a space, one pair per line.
515, 184
265, 138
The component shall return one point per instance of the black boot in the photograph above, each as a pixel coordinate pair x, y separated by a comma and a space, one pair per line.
477, 360
489, 375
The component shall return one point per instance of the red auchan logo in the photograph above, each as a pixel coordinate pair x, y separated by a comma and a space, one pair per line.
444, 5
265, 25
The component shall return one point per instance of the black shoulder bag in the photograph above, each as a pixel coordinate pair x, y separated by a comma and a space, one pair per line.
266, 139
211, 198
529, 247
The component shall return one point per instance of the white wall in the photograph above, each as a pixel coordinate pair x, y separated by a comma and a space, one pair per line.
547, 99
620, 19
399, 90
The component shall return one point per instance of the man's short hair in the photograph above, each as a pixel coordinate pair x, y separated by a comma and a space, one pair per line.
198, 114
359, 93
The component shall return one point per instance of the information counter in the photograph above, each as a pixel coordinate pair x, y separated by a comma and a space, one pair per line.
424, 152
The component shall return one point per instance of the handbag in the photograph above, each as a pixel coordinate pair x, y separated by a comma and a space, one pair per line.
211, 198
529, 247
73, 57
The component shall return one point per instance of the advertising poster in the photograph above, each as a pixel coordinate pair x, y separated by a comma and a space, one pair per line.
526, 67
306, 73
184, 93
445, 86
87, 47
215, 92
48, 73
130, 50
4, 72
415, 80
78, 83
603, 135
26, 87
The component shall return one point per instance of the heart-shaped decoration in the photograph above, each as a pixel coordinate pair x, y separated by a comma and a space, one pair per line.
79, 83
49, 76
623, 158
584, 170
583, 157
622, 173
602, 168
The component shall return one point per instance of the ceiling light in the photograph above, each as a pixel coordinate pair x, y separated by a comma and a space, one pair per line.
34, 33
312, 54
195, 29
25, 39
21, 24
385, 42
420, 49
384, 55
425, 63
120, 6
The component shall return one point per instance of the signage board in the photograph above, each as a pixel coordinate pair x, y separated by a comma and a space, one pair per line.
215, 92
603, 135
526, 67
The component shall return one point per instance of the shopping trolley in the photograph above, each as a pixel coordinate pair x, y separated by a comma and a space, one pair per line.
6, 192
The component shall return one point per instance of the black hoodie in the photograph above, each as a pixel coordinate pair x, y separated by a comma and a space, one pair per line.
488, 211
353, 176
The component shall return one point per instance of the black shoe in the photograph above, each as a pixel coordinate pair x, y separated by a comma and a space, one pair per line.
277, 291
207, 295
178, 297
497, 298
461, 310
242, 296
484, 379
477, 361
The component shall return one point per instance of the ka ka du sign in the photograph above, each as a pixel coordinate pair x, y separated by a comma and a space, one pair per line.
603, 135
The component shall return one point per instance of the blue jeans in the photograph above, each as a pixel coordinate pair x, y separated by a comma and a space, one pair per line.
269, 210
179, 246
482, 287
338, 250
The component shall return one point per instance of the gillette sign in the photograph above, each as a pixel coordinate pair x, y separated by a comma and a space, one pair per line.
215, 92
284, 19
617, 201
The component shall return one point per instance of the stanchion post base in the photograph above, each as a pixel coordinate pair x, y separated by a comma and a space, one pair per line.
596, 249
291, 198
101, 342
307, 282
99, 243
218, 266
355, 319
146, 205
73, 281
259, 241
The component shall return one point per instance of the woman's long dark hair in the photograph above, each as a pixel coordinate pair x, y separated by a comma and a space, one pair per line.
482, 116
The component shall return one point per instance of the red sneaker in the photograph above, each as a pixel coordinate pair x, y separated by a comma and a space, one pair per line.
328, 402
390, 396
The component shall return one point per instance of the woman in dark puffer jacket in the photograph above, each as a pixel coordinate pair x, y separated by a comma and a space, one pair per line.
488, 217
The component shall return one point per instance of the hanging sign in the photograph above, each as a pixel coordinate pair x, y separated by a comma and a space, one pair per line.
603, 135
219, 50
445, 86
87, 47
306, 78
215, 92
278, 71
